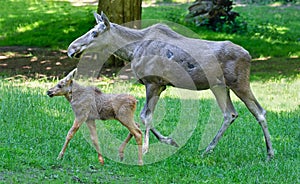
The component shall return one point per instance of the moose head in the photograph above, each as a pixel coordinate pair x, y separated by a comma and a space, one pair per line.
77, 47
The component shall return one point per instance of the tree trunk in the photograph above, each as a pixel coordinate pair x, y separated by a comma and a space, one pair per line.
124, 12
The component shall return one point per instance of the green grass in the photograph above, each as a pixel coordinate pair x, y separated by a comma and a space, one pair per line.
33, 128
39, 23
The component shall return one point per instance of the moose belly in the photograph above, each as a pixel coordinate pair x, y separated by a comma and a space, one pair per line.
155, 60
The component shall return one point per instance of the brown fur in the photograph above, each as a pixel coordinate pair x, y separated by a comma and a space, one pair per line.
90, 104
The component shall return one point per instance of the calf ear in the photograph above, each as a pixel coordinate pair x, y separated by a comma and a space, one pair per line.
105, 19
71, 75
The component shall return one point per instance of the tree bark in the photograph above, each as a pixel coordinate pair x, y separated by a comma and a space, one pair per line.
124, 12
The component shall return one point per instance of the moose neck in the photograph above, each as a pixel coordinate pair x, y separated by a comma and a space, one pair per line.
126, 40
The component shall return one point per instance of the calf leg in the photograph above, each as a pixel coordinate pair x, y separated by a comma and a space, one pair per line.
123, 145
94, 137
125, 116
254, 107
223, 98
137, 133
70, 134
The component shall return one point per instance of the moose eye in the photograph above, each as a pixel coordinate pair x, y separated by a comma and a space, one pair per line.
59, 85
94, 34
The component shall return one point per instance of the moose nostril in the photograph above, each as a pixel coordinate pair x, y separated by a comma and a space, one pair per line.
71, 54
49, 93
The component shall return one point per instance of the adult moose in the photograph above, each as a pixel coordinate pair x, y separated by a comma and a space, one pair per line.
160, 57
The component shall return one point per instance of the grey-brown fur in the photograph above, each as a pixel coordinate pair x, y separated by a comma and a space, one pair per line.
90, 104
160, 57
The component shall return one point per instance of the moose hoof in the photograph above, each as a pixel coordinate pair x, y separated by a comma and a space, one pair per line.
169, 141
270, 156
145, 149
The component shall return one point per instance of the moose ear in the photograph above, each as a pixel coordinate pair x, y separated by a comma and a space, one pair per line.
105, 19
71, 75
98, 18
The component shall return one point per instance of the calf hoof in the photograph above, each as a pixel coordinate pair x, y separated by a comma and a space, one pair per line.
60, 156
101, 160
140, 163
121, 155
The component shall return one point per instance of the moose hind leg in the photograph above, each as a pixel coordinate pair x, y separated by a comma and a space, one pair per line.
163, 139
254, 107
153, 92
223, 98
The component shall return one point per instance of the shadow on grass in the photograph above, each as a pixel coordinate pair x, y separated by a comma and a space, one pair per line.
275, 69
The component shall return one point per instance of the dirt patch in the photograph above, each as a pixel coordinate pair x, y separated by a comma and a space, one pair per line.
37, 63
34, 62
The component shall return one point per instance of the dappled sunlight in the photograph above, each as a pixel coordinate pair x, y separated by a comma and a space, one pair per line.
29, 27
271, 30
69, 30
277, 96
82, 2
50, 11
187, 94
44, 24
34, 62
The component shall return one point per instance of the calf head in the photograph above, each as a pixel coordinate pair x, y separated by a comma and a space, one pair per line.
64, 86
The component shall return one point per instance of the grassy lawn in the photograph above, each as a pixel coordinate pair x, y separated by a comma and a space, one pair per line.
33, 126
51, 24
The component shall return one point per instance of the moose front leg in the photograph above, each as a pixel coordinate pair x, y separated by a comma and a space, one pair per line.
153, 92
224, 101
70, 134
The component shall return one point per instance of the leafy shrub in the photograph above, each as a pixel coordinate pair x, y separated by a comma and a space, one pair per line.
216, 15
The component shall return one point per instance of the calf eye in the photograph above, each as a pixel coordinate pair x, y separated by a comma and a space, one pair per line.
59, 85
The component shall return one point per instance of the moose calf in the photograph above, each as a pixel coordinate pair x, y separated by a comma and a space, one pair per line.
89, 104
